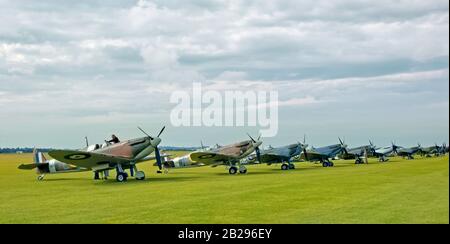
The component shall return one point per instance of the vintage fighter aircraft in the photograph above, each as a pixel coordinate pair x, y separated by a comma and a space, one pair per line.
281, 155
432, 150
52, 166
384, 152
323, 154
409, 152
232, 156
444, 149
360, 154
118, 156
183, 161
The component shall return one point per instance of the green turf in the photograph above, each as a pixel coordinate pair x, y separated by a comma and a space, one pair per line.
400, 191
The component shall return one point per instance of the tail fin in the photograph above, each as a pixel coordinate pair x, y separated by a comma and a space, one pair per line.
38, 157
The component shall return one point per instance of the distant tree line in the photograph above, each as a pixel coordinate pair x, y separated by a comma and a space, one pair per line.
30, 149
22, 150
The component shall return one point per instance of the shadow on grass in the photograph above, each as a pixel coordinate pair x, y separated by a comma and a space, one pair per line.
249, 172
63, 179
148, 180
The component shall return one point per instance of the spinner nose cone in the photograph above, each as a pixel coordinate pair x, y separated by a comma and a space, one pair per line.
155, 142
257, 144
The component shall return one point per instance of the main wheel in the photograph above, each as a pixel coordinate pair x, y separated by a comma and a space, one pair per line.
330, 164
291, 166
233, 170
325, 164
40, 177
121, 177
284, 166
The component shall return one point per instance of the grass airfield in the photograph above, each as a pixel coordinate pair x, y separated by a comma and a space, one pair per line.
399, 191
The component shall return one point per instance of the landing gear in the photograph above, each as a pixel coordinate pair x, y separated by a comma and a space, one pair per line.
40, 177
242, 170
358, 161
284, 167
96, 175
291, 166
140, 175
327, 164
121, 174
121, 177
382, 159
232, 170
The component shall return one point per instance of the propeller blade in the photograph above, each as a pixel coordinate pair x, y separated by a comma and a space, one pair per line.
158, 159
161, 131
342, 143
203, 147
151, 138
251, 138
305, 153
258, 154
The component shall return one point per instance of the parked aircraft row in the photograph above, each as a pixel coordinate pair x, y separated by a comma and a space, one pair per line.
122, 156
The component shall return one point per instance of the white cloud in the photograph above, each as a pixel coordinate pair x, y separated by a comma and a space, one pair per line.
107, 60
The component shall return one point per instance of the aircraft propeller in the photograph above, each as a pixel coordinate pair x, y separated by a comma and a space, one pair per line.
394, 147
257, 150
343, 146
304, 145
201, 144
372, 147
157, 153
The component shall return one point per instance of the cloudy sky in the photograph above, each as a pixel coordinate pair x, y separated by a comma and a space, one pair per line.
358, 69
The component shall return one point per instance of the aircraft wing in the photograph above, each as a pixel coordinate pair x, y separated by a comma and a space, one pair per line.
312, 156
209, 158
86, 159
273, 158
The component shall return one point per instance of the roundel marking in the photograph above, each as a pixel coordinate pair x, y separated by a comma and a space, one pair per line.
77, 156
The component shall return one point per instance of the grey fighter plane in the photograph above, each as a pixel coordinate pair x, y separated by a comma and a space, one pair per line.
409, 152
360, 154
384, 152
281, 155
432, 150
323, 154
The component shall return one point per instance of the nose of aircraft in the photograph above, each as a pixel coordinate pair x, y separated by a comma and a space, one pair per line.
155, 142
257, 144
